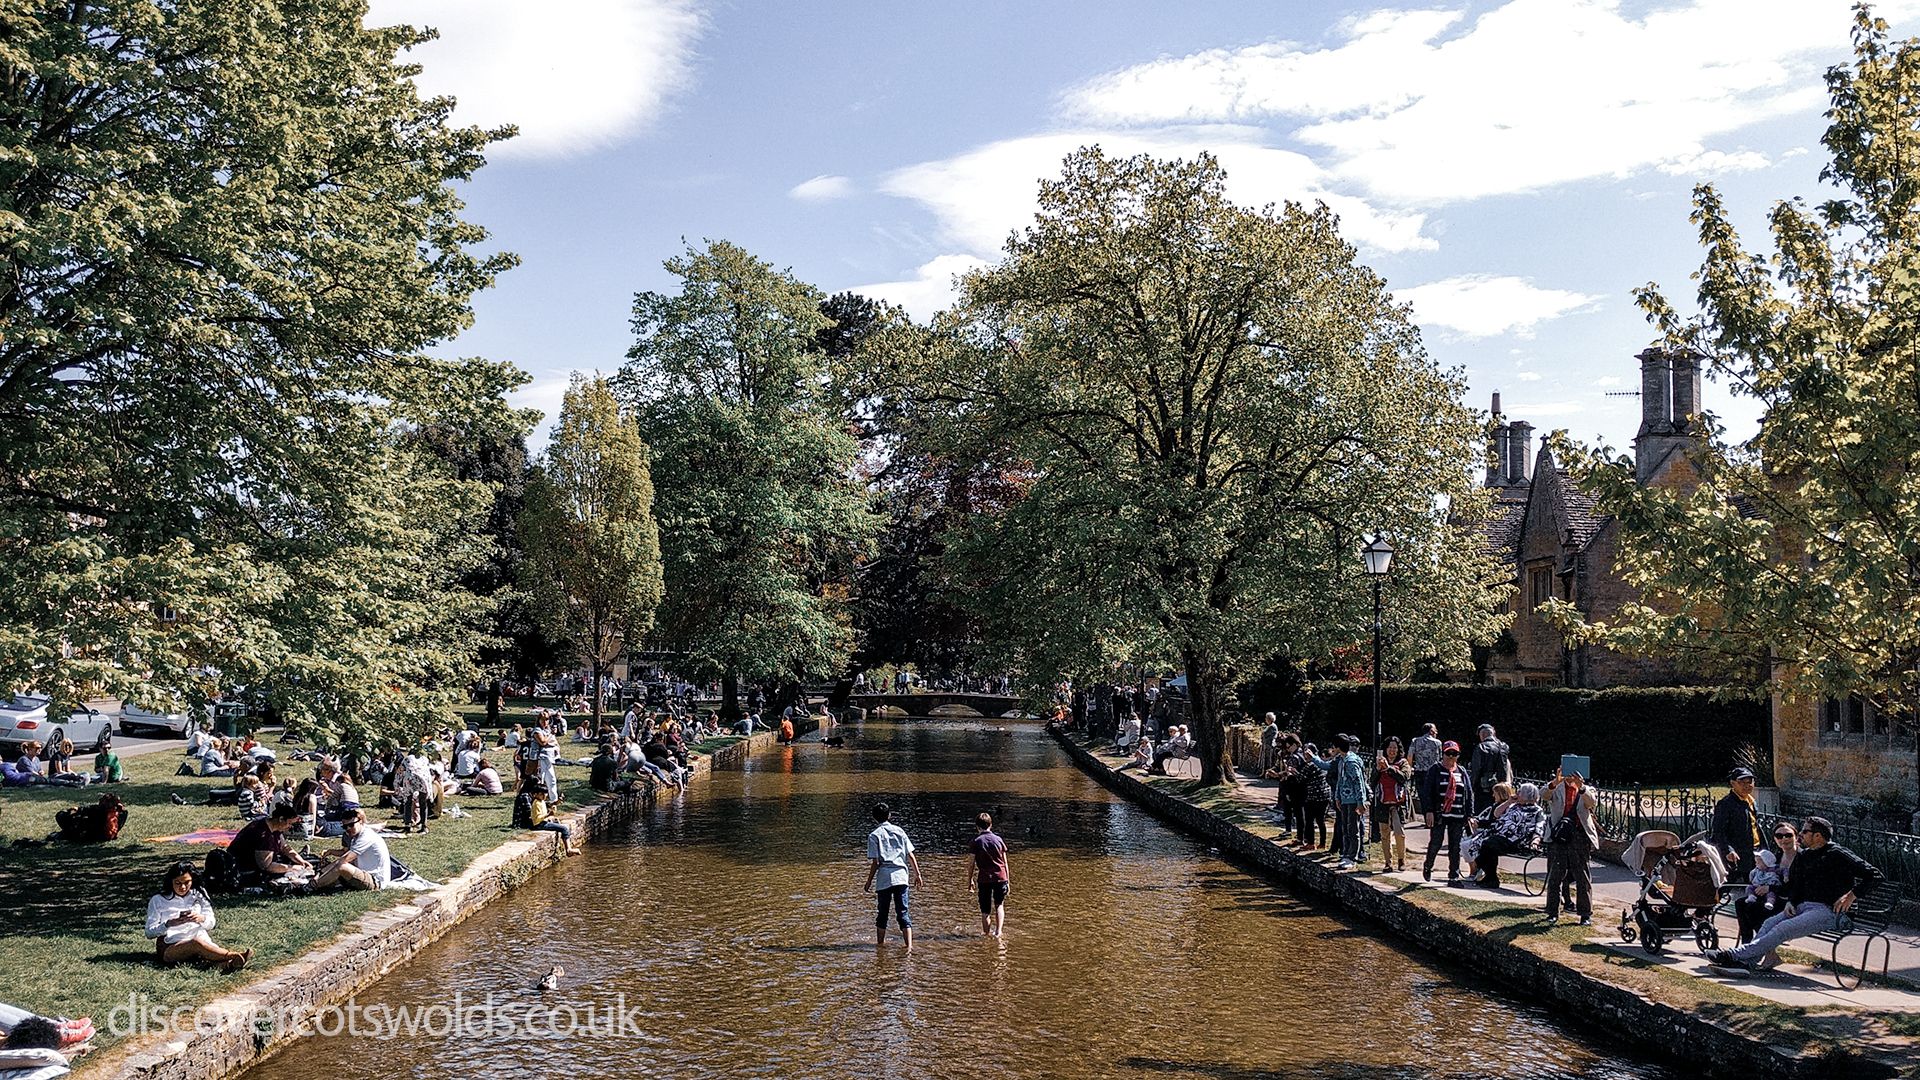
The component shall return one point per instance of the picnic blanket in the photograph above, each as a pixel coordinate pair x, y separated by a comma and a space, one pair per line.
209, 835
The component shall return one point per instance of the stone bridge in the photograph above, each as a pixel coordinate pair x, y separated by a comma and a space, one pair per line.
924, 704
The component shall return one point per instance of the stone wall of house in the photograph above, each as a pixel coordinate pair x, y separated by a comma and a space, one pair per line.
1601, 594
1833, 777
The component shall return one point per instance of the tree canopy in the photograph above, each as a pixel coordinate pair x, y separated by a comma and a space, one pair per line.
762, 518
231, 239
1796, 562
1205, 406
592, 547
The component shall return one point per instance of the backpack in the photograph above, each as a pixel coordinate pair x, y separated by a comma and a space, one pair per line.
523, 811
221, 876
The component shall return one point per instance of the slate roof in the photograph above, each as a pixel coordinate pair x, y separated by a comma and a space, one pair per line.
1502, 530
1583, 520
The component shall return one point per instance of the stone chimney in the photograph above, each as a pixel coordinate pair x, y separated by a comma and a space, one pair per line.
1497, 468
1670, 386
1686, 389
1519, 452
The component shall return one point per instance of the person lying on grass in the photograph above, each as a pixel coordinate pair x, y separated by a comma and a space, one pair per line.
178, 918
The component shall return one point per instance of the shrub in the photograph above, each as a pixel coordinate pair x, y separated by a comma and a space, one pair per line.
1635, 735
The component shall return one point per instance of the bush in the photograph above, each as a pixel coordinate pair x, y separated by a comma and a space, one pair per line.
1635, 735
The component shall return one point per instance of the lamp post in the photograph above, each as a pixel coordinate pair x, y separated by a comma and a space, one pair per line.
1378, 557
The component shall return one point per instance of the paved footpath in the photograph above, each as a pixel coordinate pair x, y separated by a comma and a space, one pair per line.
1615, 890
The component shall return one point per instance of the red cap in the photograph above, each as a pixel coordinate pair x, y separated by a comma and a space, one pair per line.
1453, 746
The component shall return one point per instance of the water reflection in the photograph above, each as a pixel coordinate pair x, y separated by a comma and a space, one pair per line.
733, 922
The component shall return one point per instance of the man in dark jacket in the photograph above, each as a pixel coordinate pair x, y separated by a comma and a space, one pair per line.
1825, 882
1446, 796
1736, 825
1492, 764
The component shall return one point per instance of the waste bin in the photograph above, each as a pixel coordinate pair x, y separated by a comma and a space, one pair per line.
229, 718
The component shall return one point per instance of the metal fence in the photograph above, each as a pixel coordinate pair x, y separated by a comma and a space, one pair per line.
1625, 812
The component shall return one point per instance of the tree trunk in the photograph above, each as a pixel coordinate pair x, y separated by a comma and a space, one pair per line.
730, 697
1209, 734
493, 703
594, 692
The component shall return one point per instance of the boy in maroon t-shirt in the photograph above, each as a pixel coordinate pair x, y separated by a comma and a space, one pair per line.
987, 874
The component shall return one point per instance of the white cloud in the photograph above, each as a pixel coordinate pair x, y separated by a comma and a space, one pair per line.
1528, 376
930, 290
545, 392
1483, 305
1433, 106
1607, 380
1715, 162
981, 196
574, 76
822, 188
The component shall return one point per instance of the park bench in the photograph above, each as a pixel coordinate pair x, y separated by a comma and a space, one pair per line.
1868, 920
1181, 756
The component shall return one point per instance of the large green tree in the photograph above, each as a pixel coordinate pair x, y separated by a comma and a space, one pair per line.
1796, 562
592, 547
762, 517
228, 239
1210, 405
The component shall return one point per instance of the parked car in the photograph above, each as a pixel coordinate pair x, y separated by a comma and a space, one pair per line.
134, 720
24, 719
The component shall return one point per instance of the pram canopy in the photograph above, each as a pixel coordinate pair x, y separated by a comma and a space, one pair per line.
1647, 849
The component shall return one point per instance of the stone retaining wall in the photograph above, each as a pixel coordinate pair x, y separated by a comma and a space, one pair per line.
331, 973
1658, 1028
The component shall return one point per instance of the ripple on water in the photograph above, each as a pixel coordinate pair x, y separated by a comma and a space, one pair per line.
733, 925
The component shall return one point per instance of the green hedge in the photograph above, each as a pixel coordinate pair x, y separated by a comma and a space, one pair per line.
1634, 735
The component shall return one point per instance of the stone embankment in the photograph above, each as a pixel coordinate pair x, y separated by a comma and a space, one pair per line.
1657, 1027
238, 1029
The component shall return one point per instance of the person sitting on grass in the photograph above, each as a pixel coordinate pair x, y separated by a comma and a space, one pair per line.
531, 810
106, 763
660, 755
213, 759
259, 850
604, 771
362, 862
23, 771
486, 780
1825, 881
60, 766
178, 918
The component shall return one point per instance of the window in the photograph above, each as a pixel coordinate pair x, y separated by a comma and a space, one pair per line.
1856, 721
1539, 586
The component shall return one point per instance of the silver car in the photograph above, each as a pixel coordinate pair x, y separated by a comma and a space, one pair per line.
135, 720
24, 719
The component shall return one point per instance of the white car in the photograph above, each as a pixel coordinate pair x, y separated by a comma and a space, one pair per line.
24, 719
135, 720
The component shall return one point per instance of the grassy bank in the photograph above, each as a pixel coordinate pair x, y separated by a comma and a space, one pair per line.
75, 942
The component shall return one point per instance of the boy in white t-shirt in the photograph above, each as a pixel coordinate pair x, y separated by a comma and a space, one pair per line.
890, 866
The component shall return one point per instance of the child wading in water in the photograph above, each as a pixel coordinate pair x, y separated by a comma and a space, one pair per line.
987, 875
890, 865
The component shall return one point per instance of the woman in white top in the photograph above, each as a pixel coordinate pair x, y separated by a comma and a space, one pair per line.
178, 918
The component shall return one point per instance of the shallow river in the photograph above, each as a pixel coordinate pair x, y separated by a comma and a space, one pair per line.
732, 926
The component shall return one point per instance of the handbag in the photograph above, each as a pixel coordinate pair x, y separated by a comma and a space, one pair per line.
1564, 830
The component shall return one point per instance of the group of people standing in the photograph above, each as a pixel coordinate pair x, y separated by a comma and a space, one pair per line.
1472, 808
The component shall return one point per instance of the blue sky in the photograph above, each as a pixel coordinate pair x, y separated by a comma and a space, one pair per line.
1514, 169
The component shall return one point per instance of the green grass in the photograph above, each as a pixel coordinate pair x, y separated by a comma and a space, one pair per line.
75, 944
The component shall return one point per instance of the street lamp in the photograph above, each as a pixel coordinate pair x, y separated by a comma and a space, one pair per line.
1378, 557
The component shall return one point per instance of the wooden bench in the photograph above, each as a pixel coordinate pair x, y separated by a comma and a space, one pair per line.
1871, 913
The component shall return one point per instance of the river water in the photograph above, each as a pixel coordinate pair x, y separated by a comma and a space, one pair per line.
731, 925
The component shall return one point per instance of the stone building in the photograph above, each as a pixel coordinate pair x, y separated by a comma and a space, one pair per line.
1560, 546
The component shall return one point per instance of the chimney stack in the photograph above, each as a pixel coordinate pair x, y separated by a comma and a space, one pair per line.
1519, 452
1686, 389
1497, 468
1656, 389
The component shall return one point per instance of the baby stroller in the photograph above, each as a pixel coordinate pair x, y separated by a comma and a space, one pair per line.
1680, 883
